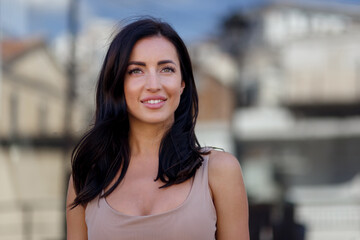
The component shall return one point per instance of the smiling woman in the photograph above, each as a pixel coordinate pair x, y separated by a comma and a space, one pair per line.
153, 84
140, 172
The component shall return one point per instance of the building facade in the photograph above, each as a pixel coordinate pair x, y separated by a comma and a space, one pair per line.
34, 162
297, 122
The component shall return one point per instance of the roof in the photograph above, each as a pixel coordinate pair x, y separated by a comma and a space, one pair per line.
13, 48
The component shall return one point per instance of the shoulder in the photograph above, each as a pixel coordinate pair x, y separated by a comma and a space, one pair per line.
221, 158
229, 196
223, 165
75, 217
224, 172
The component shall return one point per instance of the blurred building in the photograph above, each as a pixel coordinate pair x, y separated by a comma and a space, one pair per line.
215, 73
297, 121
92, 43
32, 140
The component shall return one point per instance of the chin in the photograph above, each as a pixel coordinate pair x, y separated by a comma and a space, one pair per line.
163, 120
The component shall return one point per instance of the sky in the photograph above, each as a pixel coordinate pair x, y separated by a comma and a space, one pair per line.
193, 19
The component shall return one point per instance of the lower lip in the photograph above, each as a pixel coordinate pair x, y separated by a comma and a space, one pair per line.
154, 105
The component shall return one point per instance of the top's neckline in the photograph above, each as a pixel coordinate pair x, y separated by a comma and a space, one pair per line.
185, 202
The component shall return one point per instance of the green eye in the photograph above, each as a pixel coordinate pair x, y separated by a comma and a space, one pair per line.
135, 71
168, 70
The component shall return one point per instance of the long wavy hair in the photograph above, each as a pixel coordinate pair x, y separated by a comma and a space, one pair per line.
104, 149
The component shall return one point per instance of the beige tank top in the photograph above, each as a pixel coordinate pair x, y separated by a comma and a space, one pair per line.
194, 219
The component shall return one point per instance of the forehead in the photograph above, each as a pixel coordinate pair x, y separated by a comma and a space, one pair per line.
154, 48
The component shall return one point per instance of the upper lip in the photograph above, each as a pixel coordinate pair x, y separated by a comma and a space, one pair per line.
153, 98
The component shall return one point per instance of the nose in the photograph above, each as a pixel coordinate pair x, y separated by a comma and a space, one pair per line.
152, 82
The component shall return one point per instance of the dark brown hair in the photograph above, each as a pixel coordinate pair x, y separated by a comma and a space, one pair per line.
105, 148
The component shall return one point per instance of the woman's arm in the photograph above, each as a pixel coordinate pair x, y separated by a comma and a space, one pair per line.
229, 195
75, 218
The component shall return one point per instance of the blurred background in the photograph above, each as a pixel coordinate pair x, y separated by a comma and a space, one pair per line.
279, 87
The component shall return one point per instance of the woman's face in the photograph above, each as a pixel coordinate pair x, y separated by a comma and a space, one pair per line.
153, 82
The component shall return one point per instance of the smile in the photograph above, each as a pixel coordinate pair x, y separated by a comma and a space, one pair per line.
153, 101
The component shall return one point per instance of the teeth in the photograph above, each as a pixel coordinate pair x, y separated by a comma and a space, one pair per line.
154, 101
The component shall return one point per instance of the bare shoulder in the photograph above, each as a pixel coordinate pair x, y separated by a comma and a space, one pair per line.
222, 158
75, 217
221, 164
224, 171
229, 196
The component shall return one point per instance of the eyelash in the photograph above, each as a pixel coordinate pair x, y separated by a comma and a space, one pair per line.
169, 68
132, 71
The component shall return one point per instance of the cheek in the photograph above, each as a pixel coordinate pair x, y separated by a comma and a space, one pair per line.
176, 91
130, 90
177, 96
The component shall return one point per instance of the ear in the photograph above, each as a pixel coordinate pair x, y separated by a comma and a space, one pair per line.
182, 87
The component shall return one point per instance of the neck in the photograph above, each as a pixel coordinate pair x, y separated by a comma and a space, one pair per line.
145, 139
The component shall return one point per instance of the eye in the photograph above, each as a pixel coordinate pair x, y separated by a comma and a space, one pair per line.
168, 69
135, 71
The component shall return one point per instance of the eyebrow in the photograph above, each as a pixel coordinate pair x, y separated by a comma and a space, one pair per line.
166, 61
144, 64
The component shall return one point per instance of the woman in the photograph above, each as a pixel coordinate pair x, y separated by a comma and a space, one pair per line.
140, 172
